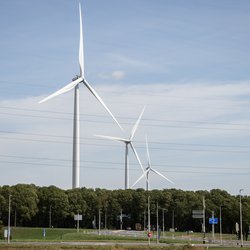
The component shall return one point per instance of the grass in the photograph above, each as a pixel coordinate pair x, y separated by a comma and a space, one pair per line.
20, 234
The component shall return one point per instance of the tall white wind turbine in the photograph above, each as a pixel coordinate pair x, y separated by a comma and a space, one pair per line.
148, 169
128, 142
76, 123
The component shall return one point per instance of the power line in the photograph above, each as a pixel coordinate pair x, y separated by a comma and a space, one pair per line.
108, 145
143, 124
121, 169
142, 142
120, 117
119, 163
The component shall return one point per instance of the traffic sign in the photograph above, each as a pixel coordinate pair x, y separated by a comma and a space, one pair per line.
213, 221
197, 214
77, 217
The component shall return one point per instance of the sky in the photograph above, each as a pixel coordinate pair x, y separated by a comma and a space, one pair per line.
186, 61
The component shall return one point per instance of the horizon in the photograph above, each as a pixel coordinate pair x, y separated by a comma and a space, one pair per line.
187, 62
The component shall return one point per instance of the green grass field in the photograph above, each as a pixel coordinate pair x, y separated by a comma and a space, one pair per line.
20, 234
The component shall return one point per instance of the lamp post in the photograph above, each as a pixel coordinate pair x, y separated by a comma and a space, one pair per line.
157, 223
121, 220
149, 228
241, 235
163, 222
50, 216
99, 221
9, 220
220, 226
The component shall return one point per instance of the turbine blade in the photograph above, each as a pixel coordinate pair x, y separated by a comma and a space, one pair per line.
112, 138
156, 172
65, 89
149, 162
101, 101
137, 180
140, 178
136, 124
138, 159
81, 52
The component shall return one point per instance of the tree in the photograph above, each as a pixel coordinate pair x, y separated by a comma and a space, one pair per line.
54, 200
24, 201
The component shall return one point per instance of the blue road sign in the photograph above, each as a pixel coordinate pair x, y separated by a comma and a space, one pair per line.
213, 221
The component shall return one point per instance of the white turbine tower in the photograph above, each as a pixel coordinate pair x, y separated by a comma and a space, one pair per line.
76, 125
127, 143
148, 169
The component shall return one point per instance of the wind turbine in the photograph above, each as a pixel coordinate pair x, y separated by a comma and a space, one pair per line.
148, 169
76, 123
128, 142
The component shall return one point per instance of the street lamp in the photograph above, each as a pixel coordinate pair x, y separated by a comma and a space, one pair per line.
163, 222
9, 220
50, 216
220, 225
157, 223
241, 236
149, 228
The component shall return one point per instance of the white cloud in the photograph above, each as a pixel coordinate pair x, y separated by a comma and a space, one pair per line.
115, 75
189, 113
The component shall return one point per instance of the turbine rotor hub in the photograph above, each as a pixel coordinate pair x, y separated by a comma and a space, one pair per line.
76, 77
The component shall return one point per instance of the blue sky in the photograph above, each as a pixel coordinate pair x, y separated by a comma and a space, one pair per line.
186, 60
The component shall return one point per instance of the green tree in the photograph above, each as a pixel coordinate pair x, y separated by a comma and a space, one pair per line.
24, 201
54, 200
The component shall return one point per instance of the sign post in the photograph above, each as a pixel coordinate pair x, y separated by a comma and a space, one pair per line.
77, 217
200, 214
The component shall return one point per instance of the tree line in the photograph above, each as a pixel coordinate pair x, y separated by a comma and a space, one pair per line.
35, 206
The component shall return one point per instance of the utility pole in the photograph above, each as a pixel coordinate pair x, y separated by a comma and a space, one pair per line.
121, 220
144, 220
163, 222
241, 235
15, 219
204, 221
9, 219
99, 222
220, 226
78, 222
213, 225
149, 227
173, 223
157, 223
50, 216
105, 218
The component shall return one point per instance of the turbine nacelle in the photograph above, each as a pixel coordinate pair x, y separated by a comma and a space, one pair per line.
76, 77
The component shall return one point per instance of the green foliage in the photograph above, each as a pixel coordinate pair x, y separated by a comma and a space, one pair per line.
34, 206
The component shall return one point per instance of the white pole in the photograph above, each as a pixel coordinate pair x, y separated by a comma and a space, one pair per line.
204, 221
121, 220
241, 235
213, 225
105, 218
78, 223
99, 222
157, 223
50, 216
163, 222
76, 141
149, 228
220, 227
173, 224
9, 220
126, 167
